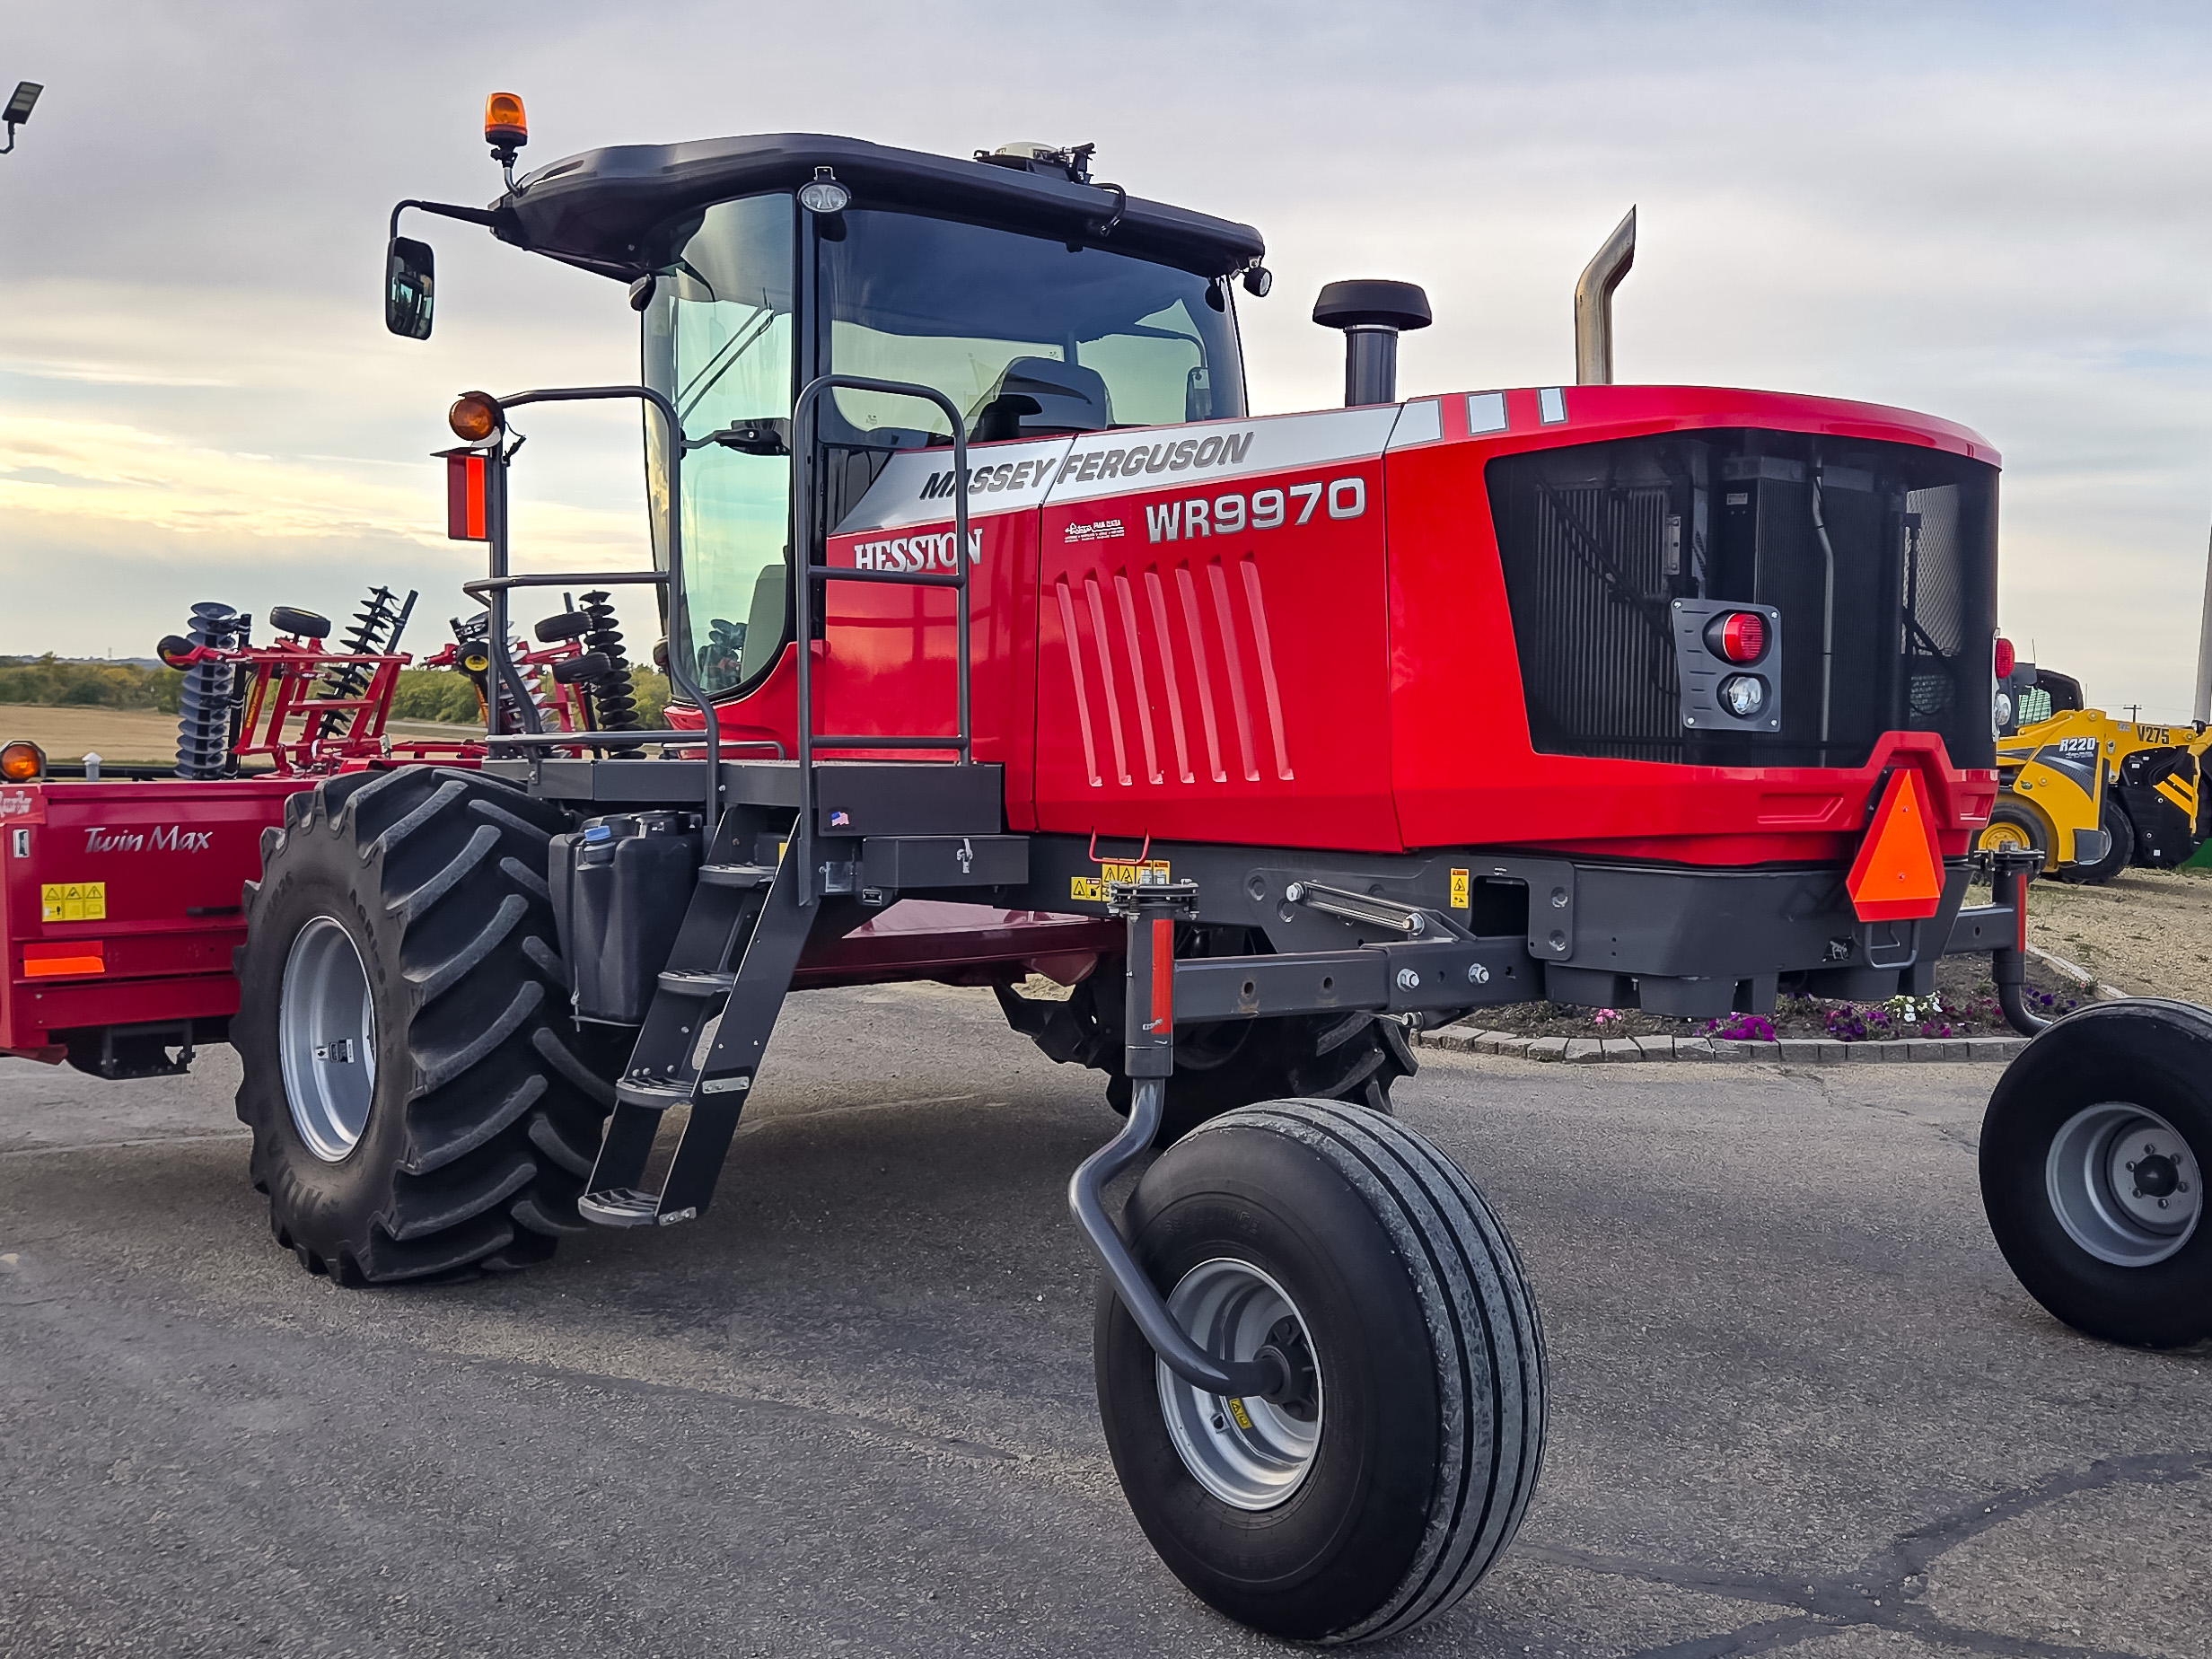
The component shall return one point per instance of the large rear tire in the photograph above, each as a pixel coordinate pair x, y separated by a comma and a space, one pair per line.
418, 1106
1378, 1491
2094, 1156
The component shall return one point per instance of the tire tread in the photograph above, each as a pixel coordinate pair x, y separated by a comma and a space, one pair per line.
499, 1120
1475, 1298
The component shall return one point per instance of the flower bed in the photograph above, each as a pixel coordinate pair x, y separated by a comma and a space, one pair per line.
1963, 1004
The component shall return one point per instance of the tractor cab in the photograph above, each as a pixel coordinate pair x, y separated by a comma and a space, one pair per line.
1039, 303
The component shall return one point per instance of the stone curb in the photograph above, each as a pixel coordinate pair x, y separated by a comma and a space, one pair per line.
1788, 1052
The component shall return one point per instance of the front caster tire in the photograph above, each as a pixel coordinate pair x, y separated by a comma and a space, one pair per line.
2094, 1157
1393, 1474
417, 1106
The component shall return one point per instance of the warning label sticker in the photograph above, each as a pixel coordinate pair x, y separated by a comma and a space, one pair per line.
1091, 889
1459, 895
1152, 871
73, 902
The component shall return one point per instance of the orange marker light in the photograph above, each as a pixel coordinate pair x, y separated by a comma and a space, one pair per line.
22, 761
475, 416
505, 126
72, 960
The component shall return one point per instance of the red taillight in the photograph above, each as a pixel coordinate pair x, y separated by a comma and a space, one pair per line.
1741, 637
2006, 657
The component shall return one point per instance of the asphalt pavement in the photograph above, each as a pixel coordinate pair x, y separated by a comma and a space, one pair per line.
1799, 1403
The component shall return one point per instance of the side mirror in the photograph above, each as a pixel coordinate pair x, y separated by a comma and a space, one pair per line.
409, 287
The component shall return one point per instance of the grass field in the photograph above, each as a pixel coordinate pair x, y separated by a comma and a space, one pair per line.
2147, 932
131, 735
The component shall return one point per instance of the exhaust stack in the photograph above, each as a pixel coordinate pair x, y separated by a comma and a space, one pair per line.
1593, 304
1372, 313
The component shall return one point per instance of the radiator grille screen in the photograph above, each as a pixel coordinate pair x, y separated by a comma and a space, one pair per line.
1597, 540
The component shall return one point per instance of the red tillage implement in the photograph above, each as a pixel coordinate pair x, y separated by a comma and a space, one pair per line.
1007, 640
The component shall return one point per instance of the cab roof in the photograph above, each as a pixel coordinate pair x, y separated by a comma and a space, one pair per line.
598, 210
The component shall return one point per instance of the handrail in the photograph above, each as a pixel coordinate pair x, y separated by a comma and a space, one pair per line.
803, 444
499, 581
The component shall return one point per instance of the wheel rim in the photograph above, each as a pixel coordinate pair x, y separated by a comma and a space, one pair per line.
326, 1035
2127, 1187
1998, 837
1251, 1453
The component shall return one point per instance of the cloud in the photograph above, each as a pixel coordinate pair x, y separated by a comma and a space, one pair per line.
116, 478
1978, 209
103, 373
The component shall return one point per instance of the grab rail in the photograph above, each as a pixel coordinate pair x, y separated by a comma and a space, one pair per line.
496, 586
803, 445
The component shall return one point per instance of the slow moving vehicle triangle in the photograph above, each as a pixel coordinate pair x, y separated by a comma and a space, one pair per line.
1899, 872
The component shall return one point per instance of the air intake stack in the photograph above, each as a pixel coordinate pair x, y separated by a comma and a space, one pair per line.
1372, 314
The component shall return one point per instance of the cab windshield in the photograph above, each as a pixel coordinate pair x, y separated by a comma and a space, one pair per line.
967, 309
952, 306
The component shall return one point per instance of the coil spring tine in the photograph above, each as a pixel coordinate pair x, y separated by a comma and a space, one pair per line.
204, 703
614, 694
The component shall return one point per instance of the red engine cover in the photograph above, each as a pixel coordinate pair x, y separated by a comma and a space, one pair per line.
1293, 630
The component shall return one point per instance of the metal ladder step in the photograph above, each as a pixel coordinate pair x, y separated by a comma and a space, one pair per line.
620, 1207
651, 1096
713, 1004
735, 875
696, 982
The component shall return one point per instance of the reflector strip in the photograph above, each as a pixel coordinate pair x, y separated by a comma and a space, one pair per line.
1162, 974
48, 962
1899, 874
465, 512
1485, 412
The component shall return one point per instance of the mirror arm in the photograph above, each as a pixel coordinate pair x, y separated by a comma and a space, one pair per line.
485, 217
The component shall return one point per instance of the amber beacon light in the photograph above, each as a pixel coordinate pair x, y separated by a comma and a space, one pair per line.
506, 129
476, 417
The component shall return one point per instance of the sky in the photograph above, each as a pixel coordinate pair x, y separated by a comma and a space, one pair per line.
1999, 214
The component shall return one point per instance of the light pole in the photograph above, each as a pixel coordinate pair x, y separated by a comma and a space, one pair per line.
18, 111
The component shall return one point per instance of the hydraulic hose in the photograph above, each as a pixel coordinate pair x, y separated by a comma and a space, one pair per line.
1828, 606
